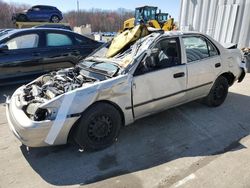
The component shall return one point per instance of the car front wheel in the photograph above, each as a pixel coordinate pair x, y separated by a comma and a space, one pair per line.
98, 127
218, 92
22, 18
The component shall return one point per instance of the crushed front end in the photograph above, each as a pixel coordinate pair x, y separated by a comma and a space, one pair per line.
27, 115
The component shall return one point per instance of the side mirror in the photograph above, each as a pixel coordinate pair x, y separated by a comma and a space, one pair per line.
3, 47
154, 52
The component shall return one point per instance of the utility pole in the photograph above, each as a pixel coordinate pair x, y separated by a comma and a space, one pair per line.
78, 9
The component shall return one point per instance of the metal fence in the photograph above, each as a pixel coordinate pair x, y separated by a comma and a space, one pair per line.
227, 21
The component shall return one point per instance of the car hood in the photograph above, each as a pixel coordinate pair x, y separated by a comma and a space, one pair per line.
41, 98
50, 86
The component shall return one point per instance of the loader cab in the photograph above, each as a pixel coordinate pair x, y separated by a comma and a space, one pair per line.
162, 17
145, 14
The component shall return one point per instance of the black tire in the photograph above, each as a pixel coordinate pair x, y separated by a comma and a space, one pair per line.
22, 18
218, 92
54, 19
98, 127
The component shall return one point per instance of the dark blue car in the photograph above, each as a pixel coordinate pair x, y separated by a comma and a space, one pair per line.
28, 53
39, 13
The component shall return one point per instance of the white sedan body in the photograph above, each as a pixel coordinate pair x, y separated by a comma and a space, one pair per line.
136, 94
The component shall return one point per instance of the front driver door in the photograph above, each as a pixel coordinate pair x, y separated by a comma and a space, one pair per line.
161, 85
22, 58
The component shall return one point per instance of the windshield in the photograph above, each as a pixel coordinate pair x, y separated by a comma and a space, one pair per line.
120, 60
5, 33
145, 13
98, 61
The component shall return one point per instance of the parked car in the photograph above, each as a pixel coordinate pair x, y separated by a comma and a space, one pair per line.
91, 101
39, 13
58, 26
26, 53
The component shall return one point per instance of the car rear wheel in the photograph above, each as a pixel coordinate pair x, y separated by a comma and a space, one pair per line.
22, 18
218, 92
54, 19
98, 127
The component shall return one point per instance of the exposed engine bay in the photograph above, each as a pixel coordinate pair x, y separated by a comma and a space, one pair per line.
48, 87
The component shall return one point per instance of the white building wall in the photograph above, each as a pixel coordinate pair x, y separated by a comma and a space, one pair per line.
228, 21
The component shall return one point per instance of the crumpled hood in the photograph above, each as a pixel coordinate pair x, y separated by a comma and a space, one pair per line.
49, 86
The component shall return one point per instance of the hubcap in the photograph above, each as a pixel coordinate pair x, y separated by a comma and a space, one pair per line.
100, 128
219, 92
55, 19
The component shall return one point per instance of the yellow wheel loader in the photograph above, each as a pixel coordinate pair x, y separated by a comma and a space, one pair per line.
149, 16
138, 27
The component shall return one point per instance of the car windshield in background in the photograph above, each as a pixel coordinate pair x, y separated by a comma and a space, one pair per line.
4, 32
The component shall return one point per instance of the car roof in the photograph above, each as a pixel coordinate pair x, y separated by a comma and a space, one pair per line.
39, 29
180, 33
43, 6
12, 32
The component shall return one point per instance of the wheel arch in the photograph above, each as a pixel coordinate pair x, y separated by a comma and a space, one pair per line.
116, 106
229, 76
24, 15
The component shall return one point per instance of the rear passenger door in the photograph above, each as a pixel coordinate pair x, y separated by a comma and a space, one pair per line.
84, 46
59, 50
203, 65
44, 13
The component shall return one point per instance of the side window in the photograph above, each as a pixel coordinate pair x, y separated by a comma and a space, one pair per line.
81, 41
37, 8
198, 48
84, 40
56, 39
22, 42
168, 55
164, 54
47, 8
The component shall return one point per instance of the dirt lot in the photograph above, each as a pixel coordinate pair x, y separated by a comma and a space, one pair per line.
188, 146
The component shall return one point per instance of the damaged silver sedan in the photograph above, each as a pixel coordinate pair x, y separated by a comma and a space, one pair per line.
90, 102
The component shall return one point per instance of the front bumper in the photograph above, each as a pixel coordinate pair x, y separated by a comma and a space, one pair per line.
33, 133
243, 71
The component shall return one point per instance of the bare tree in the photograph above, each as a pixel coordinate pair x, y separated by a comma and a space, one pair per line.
6, 11
100, 20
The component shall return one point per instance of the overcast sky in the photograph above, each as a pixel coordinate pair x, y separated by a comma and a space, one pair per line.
170, 6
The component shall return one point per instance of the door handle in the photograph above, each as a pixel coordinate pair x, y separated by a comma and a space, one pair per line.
217, 65
36, 54
179, 74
